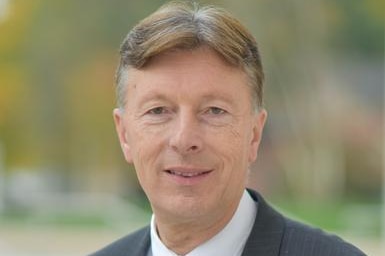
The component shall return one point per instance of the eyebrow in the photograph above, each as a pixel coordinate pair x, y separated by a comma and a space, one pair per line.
219, 96
152, 96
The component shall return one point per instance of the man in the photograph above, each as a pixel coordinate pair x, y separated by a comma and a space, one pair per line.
190, 118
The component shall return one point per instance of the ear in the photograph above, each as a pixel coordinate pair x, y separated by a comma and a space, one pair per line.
258, 124
122, 134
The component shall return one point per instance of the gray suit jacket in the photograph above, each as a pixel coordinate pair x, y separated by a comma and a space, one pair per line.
272, 235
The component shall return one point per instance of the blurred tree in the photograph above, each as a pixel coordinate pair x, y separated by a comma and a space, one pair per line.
57, 62
310, 94
15, 103
359, 28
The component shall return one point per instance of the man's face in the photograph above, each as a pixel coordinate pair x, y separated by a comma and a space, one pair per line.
191, 132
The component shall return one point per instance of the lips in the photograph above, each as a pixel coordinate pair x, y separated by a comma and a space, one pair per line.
187, 173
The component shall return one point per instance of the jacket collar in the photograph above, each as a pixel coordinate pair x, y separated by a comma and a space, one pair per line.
143, 243
266, 236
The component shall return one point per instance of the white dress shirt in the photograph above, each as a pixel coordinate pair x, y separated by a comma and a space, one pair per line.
230, 241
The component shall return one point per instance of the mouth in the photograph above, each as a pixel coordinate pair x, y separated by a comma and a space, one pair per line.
188, 174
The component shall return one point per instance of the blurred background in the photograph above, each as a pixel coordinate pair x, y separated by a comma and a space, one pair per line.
64, 187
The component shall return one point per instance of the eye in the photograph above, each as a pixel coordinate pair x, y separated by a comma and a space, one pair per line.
157, 111
216, 111
216, 116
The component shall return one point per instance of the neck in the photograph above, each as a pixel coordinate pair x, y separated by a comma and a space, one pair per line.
182, 237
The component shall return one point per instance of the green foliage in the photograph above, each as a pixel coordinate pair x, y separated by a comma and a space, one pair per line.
360, 27
57, 61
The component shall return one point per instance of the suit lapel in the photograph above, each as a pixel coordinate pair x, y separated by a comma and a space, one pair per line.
266, 236
142, 244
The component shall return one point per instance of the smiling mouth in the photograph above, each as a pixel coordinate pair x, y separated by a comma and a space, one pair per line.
187, 174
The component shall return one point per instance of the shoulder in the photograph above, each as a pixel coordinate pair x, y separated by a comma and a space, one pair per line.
275, 234
302, 239
136, 243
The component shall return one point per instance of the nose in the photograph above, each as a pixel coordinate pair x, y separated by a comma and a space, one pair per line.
186, 135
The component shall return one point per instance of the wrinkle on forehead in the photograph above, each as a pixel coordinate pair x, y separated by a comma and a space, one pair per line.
177, 66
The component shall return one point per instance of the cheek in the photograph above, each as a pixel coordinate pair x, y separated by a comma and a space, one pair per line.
241, 149
144, 150
232, 147
144, 160
146, 147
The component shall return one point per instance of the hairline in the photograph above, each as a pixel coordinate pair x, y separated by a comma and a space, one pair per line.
250, 65
122, 82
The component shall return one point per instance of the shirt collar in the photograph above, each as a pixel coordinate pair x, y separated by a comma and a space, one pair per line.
229, 241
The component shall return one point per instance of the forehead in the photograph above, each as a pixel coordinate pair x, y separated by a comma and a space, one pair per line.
198, 71
198, 59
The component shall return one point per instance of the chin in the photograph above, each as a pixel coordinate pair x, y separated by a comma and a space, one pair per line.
186, 207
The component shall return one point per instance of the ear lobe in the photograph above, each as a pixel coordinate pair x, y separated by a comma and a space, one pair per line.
259, 123
122, 134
